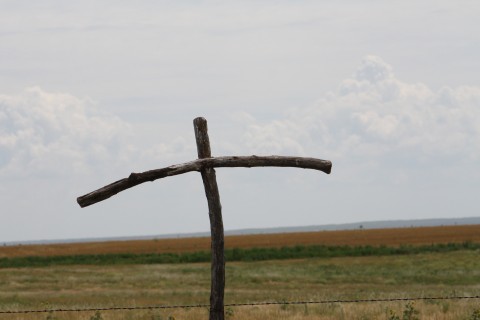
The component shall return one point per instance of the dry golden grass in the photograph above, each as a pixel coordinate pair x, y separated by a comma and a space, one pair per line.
431, 274
389, 237
376, 311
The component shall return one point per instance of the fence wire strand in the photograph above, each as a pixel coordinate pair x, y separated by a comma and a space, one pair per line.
240, 304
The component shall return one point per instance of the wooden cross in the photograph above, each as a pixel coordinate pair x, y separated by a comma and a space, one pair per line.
205, 164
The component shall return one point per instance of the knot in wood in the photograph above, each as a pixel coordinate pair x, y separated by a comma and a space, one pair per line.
133, 176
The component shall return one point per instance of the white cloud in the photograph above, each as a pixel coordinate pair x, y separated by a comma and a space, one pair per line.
48, 133
372, 115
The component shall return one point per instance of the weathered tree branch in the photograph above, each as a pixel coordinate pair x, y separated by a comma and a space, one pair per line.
198, 165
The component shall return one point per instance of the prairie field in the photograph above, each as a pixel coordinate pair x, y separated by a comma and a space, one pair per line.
435, 274
431, 274
374, 237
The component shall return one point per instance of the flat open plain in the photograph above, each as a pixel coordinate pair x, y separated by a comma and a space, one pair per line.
433, 274
374, 237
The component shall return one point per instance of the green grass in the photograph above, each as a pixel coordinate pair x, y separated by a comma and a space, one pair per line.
360, 277
254, 254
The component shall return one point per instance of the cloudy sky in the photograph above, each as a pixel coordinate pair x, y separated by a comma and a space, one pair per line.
93, 90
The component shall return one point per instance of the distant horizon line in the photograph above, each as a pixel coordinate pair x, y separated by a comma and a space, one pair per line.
376, 224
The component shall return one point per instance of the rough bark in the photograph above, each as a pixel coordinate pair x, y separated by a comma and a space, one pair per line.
216, 223
198, 165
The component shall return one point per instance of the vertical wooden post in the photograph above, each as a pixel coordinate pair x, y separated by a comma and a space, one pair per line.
216, 222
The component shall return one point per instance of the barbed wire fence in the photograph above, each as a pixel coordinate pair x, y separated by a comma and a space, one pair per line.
154, 307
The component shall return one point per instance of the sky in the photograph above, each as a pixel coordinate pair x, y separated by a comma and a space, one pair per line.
90, 91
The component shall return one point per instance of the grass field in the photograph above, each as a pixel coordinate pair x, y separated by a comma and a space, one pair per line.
435, 274
374, 237
363, 277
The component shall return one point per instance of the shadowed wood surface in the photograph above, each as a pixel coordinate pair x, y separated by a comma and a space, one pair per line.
198, 165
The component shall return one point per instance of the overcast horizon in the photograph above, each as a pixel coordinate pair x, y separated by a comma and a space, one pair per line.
91, 91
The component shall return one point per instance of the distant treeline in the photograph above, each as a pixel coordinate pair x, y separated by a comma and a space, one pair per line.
236, 254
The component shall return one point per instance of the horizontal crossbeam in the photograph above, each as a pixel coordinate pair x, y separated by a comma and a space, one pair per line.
199, 164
